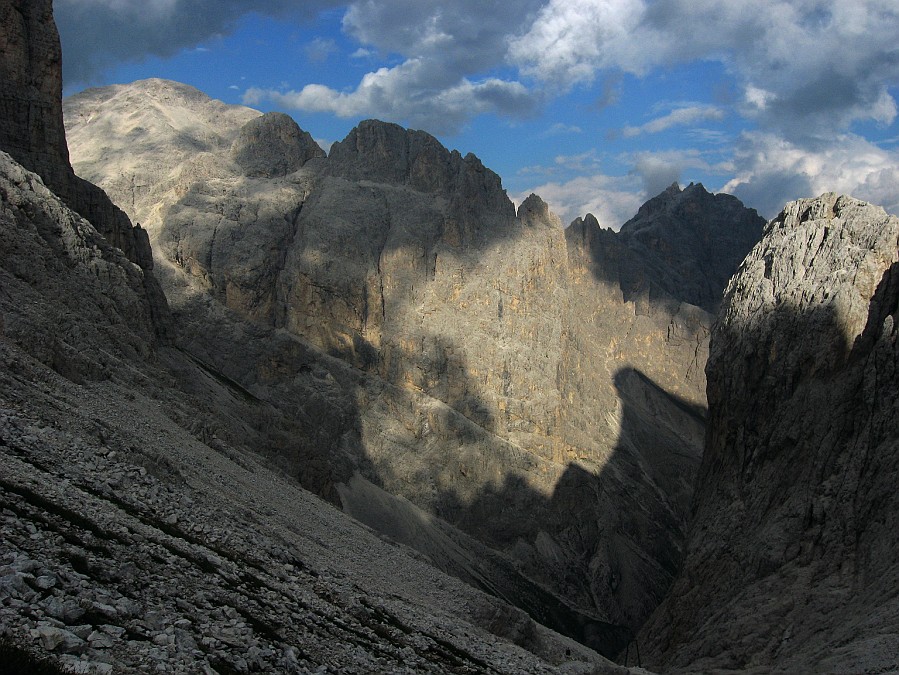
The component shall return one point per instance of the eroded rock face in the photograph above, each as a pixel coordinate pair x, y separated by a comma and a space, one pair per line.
791, 560
504, 376
32, 129
32, 132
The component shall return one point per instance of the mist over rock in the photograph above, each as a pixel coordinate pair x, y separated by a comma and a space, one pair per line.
492, 358
273, 145
791, 560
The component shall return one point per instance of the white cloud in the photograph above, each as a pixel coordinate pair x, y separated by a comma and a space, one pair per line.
584, 161
771, 170
570, 40
807, 67
677, 117
612, 199
414, 93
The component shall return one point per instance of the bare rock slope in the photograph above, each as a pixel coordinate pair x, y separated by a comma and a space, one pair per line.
505, 375
791, 562
140, 527
140, 530
131, 540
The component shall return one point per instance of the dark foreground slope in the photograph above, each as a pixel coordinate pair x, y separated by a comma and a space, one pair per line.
792, 557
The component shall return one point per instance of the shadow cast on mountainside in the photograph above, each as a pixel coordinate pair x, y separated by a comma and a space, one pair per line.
314, 277
795, 516
610, 522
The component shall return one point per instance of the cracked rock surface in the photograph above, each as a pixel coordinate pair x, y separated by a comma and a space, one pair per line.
791, 563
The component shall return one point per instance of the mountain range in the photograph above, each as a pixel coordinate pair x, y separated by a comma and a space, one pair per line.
356, 410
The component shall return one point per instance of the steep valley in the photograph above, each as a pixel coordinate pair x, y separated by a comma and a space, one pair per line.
540, 388
358, 412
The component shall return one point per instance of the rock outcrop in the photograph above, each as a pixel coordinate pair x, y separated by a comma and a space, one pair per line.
32, 132
791, 562
493, 358
273, 145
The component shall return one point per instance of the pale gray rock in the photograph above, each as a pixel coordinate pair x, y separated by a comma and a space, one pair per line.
273, 145
57, 639
791, 561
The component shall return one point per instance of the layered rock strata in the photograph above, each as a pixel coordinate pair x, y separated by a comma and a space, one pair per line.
791, 562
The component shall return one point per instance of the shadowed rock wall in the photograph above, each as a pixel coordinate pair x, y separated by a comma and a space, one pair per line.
791, 562
489, 353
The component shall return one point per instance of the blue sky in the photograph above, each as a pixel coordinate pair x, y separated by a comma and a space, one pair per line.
596, 105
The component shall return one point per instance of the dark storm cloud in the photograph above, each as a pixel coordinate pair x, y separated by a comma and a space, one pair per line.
97, 34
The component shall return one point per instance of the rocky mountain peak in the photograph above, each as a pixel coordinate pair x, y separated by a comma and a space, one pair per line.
273, 145
387, 153
679, 228
796, 503
534, 211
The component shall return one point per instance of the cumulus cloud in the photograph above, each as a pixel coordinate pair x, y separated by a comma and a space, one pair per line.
771, 171
97, 34
411, 93
810, 67
442, 83
612, 199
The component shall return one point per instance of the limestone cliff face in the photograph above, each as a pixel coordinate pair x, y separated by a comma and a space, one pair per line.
32, 132
791, 560
506, 376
